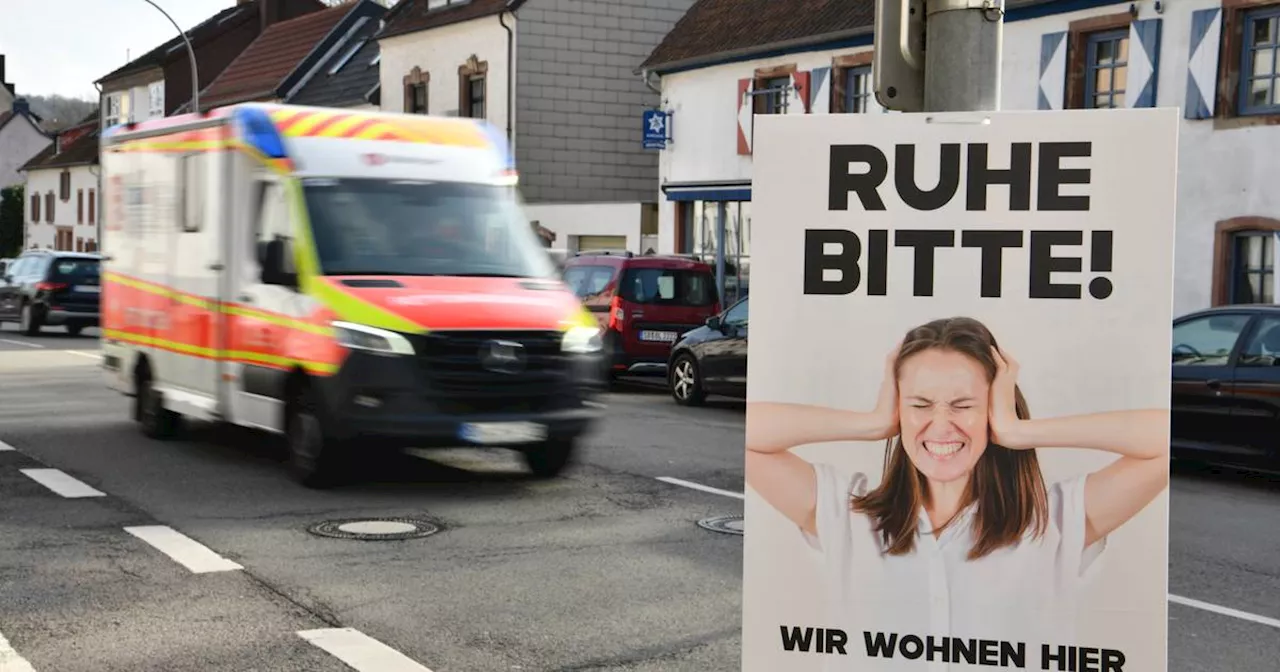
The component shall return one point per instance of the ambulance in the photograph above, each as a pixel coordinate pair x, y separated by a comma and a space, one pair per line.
350, 280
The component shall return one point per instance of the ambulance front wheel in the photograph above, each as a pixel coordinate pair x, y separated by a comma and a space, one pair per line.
314, 458
548, 459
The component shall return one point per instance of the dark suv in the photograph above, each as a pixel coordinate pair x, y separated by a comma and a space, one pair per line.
50, 288
644, 303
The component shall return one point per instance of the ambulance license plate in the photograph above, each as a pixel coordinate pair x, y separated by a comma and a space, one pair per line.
502, 432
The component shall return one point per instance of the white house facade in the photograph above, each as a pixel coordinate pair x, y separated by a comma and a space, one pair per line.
1197, 55
63, 206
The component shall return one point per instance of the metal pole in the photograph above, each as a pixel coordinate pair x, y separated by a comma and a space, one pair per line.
191, 54
962, 55
721, 214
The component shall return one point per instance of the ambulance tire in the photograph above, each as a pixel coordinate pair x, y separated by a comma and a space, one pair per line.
548, 459
315, 459
157, 422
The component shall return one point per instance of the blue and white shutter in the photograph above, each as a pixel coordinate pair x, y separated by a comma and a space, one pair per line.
820, 91
1202, 66
1053, 71
1144, 63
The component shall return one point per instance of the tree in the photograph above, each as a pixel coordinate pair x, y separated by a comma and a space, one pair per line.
12, 200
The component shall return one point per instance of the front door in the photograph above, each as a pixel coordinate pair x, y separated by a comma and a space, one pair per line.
1203, 381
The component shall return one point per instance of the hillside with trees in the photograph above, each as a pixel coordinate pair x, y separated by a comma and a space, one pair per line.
59, 112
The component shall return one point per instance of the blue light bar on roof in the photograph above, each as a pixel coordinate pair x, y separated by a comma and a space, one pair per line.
500, 145
260, 132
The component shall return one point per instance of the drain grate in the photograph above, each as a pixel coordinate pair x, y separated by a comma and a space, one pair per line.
374, 529
723, 524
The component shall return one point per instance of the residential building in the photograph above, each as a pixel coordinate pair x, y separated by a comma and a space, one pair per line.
158, 83
348, 74
557, 77
20, 135
731, 60
289, 54
62, 191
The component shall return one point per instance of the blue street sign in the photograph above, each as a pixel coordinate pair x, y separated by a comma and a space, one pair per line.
655, 129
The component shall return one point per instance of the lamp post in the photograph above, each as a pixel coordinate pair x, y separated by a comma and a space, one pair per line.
191, 54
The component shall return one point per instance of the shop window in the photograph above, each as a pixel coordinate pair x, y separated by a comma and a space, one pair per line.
702, 221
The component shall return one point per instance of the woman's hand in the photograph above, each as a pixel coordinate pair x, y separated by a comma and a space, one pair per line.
1005, 426
886, 411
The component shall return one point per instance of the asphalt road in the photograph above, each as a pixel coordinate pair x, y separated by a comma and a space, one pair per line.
604, 569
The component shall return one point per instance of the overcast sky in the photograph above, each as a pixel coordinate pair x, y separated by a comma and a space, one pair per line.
63, 46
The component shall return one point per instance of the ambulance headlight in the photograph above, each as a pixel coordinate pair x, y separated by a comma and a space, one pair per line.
582, 341
371, 339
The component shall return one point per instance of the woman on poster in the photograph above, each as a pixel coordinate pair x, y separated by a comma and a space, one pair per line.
961, 537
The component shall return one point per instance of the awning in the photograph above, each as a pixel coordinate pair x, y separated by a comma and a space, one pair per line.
708, 191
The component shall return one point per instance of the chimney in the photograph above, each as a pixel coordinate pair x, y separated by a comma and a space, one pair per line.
269, 10
20, 106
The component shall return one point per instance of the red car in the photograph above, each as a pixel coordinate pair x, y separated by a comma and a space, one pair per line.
644, 303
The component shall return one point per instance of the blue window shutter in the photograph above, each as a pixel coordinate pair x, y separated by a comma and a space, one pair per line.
1202, 65
1144, 63
1053, 71
820, 91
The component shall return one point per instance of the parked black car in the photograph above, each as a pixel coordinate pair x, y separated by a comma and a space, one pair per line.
1226, 386
52, 288
711, 359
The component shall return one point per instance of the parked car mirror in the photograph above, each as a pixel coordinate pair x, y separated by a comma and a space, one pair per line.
713, 322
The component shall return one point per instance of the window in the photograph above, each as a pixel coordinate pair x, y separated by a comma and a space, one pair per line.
667, 287
35, 208
93, 219
475, 98
112, 116
80, 206
48, 207
79, 244
857, 89
737, 315
1259, 79
588, 281
156, 99
1106, 69
1207, 341
1253, 267
771, 98
63, 240
472, 80
64, 186
441, 4
700, 231
415, 91
191, 199
1263, 348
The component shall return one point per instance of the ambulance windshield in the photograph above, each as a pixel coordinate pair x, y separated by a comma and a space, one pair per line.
411, 227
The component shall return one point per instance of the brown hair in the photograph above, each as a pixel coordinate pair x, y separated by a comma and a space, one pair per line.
1006, 484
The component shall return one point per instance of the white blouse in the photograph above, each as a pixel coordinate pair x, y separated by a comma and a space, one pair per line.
1026, 593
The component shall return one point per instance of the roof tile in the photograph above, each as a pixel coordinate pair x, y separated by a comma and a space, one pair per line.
264, 64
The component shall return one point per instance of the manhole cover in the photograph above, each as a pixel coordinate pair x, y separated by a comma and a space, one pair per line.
723, 524
374, 529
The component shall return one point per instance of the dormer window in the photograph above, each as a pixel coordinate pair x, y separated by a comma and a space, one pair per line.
433, 5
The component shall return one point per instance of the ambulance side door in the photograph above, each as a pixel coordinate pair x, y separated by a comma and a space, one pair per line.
258, 321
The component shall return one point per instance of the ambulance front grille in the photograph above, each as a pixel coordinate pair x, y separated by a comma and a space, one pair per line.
454, 365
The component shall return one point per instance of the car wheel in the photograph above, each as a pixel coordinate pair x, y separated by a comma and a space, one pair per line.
30, 321
549, 459
313, 456
157, 421
74, 329
685, 382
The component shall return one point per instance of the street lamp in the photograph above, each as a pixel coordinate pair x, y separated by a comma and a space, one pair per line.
191, 54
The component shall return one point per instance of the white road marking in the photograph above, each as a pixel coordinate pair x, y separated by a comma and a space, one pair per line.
1225, 611
22, 343
360, 651
184, 550
10, 661
4, 446
82, 353
61, 483
699, 486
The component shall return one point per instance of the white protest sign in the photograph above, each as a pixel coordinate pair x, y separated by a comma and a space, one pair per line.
958, 404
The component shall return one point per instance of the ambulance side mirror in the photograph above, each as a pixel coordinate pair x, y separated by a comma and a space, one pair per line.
276, 269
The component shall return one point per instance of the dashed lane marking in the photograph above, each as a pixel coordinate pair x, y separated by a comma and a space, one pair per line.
184, 550
24, 344
360, 651
62, 483
82, 353
10, 661
699, 486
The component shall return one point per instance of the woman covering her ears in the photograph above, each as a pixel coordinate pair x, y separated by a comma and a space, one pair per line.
961, 537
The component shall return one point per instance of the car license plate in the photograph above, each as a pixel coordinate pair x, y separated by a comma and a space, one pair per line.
88, 289
502, 432
660, 336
